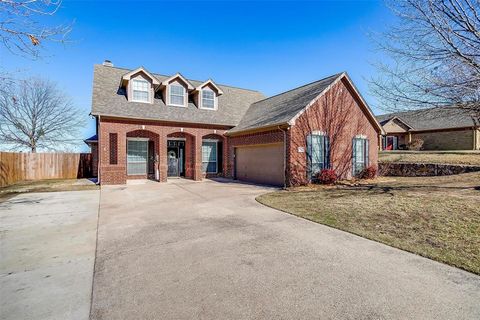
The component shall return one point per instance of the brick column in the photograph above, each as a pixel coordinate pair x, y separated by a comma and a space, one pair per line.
225, 150
162, 155
197, 161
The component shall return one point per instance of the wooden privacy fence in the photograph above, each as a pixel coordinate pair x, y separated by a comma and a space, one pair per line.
37, 166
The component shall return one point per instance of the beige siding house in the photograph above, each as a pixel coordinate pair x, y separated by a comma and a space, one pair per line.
438, 128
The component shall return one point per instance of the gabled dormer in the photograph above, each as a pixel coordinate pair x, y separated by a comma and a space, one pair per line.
206, 95
175, 90
139, 85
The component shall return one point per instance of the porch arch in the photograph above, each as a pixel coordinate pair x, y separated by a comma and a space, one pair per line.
221, 154
153, 151
189, 156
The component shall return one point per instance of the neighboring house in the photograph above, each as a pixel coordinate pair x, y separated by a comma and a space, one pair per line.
155, 126
441, 128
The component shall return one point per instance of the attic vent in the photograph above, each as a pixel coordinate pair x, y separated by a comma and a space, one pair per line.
108, 63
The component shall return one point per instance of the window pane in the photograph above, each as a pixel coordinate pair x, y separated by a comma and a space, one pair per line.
359, 150
208, 103
207, 94
140, 95
137, 156
176, 100
317, 157
141, 90
359, 161
140, 85
212, 167
176, 90
209, 157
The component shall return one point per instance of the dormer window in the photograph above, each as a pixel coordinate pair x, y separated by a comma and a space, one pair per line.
177, 95
141, 90
208, 99
139, 85
206, 95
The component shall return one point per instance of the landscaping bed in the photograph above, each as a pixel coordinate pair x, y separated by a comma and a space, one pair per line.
436, 217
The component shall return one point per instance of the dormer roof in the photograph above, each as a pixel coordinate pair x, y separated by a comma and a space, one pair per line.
126, 77
178, 76
211, 83
108, 100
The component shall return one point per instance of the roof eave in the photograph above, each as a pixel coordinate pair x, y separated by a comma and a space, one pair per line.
160, 120
283, 125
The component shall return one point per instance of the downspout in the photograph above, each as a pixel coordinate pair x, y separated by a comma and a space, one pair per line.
284, 156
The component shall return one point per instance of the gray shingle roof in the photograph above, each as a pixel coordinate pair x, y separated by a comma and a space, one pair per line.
109, 100
432, 119
280, 109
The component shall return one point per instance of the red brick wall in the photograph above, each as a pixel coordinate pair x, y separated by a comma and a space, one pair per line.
157, 131
340, 114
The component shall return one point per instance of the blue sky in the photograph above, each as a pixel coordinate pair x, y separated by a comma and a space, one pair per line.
268, 46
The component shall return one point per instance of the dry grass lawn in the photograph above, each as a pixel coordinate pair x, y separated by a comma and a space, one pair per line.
472, 158
46, 186
436, 217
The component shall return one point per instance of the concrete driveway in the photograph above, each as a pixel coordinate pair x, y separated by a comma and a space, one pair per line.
47, 252
208, 250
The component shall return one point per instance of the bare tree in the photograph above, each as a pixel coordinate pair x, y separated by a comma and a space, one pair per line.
22, 25
434, 56
35, 114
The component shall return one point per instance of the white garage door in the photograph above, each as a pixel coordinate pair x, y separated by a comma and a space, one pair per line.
260, 164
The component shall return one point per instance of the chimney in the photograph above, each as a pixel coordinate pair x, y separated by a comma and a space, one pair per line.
108, 63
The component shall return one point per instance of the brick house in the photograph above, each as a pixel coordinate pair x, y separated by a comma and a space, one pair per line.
441, 128
155, 126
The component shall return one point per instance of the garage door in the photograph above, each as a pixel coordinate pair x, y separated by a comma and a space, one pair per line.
260, 164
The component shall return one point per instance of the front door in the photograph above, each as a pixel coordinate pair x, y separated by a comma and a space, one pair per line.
172, 160
176, 158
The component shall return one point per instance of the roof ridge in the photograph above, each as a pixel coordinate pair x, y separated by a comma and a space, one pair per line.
164, 75
304, 85
396, 113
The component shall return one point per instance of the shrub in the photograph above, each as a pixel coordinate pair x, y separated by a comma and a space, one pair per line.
369, 172
415, 145
327, 176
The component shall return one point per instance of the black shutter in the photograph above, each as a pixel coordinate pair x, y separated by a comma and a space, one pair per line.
151, 157
326, 164
354, 153
366, 153
309, 157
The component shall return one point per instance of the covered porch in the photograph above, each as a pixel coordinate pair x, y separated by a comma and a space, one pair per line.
175, 155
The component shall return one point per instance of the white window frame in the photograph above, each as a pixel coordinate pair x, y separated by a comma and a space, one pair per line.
126, 158
185, 96
147, 91
365, 157
216, 155
325, 152
214, 100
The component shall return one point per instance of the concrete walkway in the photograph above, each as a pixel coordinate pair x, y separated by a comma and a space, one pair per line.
208, 250
47, 254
